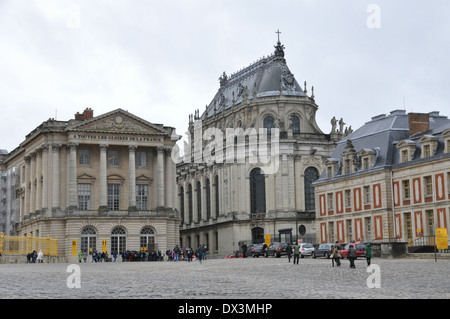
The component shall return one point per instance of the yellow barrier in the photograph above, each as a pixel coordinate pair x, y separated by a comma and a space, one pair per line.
18, 245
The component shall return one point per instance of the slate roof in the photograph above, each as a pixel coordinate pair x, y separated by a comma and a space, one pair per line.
265, 77
383, 133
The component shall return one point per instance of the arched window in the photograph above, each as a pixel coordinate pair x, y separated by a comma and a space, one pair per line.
191, 215
269, 123
182, 204
199, 201
88, 239
311, 174
208, 199
148, 239
257, 192
216, 182
295, 124
118, 239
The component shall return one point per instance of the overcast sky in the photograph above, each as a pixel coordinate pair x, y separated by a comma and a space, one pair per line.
161, 60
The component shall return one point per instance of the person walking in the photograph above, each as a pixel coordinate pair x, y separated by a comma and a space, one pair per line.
289, 251
296, 249
335, 256
351, 256
80, 256
368, 253
40, 257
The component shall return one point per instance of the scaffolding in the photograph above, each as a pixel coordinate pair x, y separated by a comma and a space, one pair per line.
22, 245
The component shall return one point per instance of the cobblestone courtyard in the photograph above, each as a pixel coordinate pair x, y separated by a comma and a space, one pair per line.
250, 278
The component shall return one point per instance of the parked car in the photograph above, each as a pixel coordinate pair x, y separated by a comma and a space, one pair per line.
254, 250
359, 247
233, 256
324, 250
306, 249
276, 250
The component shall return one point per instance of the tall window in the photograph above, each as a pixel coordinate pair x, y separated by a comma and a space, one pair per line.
404, 156
118, 239
405, 187
199, 201
208, 199
84, 196
88, 239
142, 197
426, 151
113, 158
257, 191
269, 123
83, 157
348, 198
113, 196
311, 174
216, 182
191, 214
366, 194
295, 124
428, 184
182, 204
141, 159
148, 237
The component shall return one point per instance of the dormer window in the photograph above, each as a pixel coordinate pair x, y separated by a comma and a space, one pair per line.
349, 158
446, 136
331, 166
406, 150
368, 158
428, 144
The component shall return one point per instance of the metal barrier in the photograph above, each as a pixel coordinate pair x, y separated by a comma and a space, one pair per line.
18, 245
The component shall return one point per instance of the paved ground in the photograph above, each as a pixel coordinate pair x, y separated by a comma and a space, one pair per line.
250, 278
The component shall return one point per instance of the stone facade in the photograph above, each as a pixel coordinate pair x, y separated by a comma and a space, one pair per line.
249, 155
389, 181
103, 183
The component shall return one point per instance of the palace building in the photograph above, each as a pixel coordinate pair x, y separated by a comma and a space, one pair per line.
94, 183
388, 181
253, 154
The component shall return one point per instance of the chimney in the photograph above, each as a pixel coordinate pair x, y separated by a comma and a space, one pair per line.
87, 114
418, 123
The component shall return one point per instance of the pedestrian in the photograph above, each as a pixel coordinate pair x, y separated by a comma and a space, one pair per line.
244, 249
80, 256
40, 257
296, 249
289, 251
84, 256
351, 256
368, 253
335, 255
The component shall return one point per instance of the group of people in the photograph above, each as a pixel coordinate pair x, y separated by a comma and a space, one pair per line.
187, 254
33, 256
335, 254
175, 254
351, 256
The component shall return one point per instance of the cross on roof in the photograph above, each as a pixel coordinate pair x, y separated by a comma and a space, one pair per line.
278, 32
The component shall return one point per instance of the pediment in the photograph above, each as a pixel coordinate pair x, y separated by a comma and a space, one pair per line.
119, 121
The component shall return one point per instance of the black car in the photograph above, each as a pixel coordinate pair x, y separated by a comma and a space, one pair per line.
254, 250
324, 250
276, 250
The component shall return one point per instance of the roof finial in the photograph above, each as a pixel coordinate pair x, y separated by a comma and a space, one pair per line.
278, 32
279, 48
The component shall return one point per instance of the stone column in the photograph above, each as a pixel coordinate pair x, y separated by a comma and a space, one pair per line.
132, 178
26, 205
170, 184
45, 177
160, 176
32, 197
73, 191
103, 179
56, 176
38, 180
